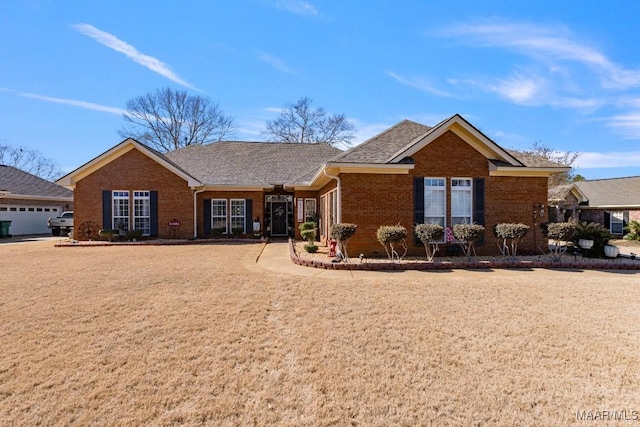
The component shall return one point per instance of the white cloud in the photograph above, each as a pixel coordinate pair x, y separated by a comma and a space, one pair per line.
112, 42
550, 43
592, 160
518, 89
418, 83
299, 7
72, 102
275, 62
626, 124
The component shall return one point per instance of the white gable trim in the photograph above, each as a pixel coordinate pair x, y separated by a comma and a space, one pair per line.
119, 150
464, 130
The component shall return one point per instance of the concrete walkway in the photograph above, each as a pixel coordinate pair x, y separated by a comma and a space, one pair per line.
32, 238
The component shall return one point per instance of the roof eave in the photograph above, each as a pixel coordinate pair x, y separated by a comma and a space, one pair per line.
70, 179
10, 195
235, 187
450, 124
523, 171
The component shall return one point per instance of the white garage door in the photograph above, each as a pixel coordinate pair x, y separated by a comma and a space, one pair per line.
28, 219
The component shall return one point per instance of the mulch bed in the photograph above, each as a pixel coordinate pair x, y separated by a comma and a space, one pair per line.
321, 259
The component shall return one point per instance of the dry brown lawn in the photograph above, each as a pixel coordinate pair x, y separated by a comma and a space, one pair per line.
201, 335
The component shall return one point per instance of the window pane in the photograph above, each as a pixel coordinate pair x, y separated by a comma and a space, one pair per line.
435, 201
238, 215
142, 212
219, 215
461, 201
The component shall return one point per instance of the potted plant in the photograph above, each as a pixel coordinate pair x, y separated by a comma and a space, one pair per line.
611, 251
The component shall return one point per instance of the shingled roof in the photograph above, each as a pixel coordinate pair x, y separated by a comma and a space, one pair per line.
252, 163
381, 147
612, 192
19, 183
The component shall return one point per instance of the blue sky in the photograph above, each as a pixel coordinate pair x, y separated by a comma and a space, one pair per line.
563, 73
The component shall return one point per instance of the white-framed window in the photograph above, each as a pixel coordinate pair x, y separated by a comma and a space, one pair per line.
142, 211
461, 201
310, 209
219, 215
238, 215
120, 206
300, 209
616, 222
435, 201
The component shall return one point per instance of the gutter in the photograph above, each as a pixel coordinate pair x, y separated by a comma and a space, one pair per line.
339, 199
195, 212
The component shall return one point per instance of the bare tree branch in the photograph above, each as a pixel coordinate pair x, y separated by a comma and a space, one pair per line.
30, 161
563, 157
168, 119
301, 123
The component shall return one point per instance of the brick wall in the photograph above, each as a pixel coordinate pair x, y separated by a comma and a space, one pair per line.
257, 207
135, 171
370, 200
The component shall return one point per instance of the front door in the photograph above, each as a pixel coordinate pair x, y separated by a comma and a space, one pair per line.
279, 218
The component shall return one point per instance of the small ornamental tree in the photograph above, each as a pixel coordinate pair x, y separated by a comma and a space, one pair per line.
510, 232
466, 235
430, 235
391, 236
308, 233
558, 232
341, 233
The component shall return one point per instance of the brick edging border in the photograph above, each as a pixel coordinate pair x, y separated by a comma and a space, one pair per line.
465, 265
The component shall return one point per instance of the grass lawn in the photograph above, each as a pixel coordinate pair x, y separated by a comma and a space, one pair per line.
201, 335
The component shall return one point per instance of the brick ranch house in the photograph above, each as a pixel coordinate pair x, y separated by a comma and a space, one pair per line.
411, 173
612, 202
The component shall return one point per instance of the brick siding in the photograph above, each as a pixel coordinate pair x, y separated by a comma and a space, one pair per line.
371, 200
135, 171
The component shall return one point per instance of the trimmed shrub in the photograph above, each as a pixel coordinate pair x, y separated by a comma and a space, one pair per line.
430, 235
237, 231
308, 231
309, 225
341, 233
513, 232
558, 232
218, 231
133, 234
108, 234
391, 235
311, 248
308, 235
466, 235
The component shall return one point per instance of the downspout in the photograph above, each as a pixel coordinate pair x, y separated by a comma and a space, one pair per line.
195, 212
339, 194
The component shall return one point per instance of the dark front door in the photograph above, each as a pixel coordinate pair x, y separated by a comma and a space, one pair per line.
279, 218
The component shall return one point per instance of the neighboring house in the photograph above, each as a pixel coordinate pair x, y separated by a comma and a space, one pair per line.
611, 202
450, 173
28, 201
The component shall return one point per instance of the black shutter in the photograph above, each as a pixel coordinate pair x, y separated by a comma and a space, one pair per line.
478, 205
607, 220
418, 204
248, 218
106, 210
625, 220
206, 217
153, 214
